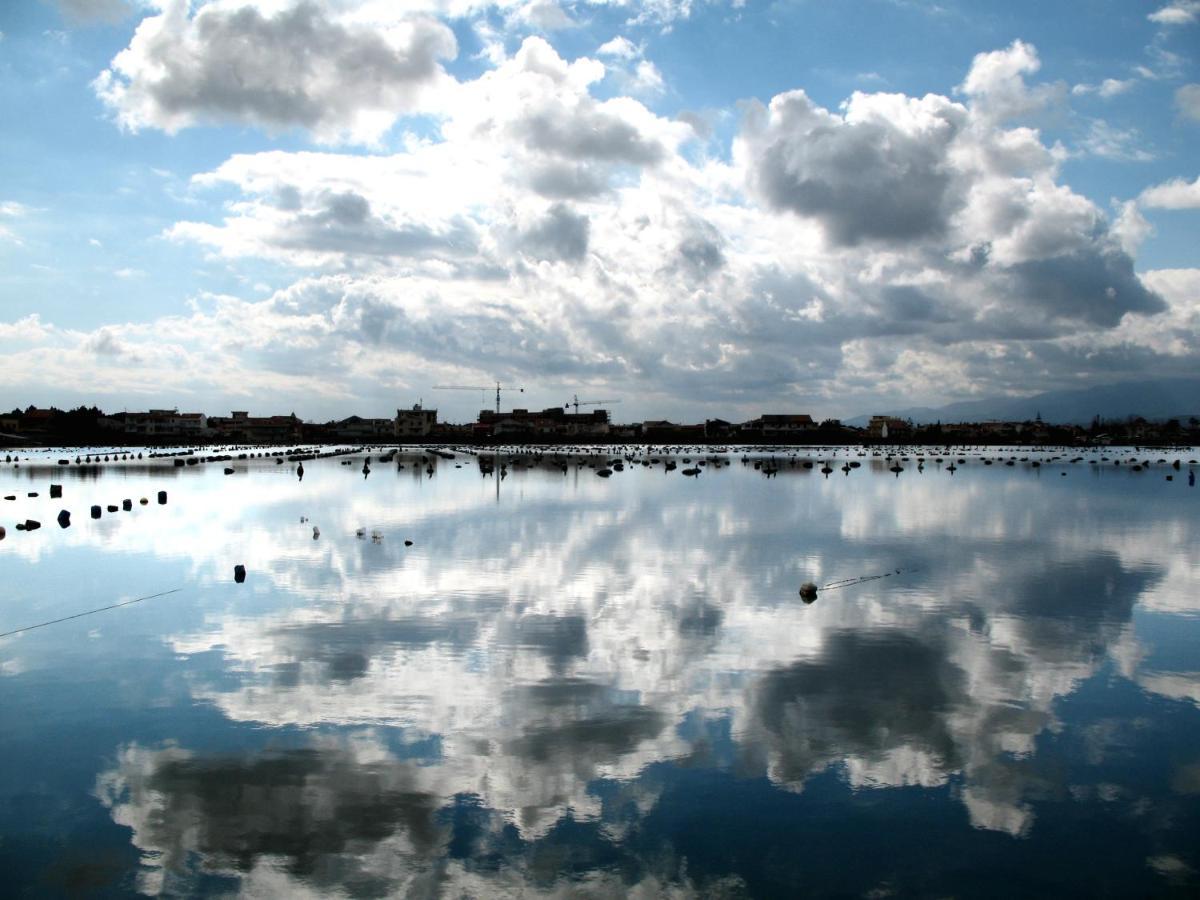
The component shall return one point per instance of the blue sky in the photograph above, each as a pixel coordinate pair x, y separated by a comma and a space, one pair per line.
703, 208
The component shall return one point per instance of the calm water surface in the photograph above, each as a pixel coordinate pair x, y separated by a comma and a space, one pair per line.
578, 686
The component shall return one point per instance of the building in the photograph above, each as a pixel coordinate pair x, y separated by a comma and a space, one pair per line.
356, 428
780, 427
660, 431
240, 426
548, 423
414, 423
156, 423
882, 428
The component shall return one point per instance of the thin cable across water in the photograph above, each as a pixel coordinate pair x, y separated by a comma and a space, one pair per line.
90, 612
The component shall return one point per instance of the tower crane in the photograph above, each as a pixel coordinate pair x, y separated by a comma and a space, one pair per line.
468, 387
576, 402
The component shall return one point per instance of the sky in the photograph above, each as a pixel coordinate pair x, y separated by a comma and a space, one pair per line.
697, 208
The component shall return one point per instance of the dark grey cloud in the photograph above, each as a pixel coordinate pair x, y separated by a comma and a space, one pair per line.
586, 133
346, 648
314, 809
297, 68
343, 222
561, 234
863, 180
86, 11
568, 181
867, 695
701, 252
1095, 285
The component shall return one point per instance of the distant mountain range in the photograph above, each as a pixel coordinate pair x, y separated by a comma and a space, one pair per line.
1158, 399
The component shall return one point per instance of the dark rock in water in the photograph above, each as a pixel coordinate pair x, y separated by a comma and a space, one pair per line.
179, 463
32, 494
162, 498
808, 592
10, 496
127, 505
604, 473
64, 519
55, 491
32, 524
2, 532
228, 471
408, 543
692, 472
95, 512
239, 573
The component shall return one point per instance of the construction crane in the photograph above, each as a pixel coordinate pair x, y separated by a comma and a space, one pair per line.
468, 387
576, 402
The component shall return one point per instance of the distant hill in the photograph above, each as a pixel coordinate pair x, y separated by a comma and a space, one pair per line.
1158, 399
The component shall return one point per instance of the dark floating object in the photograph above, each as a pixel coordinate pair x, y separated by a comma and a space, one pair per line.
692, 472
64, 519
162, 498
55, 491
143, 501
127, 504
239, 573
808, 592
408, 543
112, 507
95, 512
604, 473
32, 525
228, 470
2, 532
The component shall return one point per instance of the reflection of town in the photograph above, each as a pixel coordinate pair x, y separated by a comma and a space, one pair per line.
159, 426
534, 666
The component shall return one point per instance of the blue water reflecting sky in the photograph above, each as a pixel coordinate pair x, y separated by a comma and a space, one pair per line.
596, 685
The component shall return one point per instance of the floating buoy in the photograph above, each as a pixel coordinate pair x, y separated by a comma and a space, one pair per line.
127, 505
112, 507
239, 573
95, 512
408, 543
162, 498
64, 519
55, 491
2, 532
808, 592
143, 501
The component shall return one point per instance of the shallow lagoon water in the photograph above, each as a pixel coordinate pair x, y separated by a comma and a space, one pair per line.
575, 685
